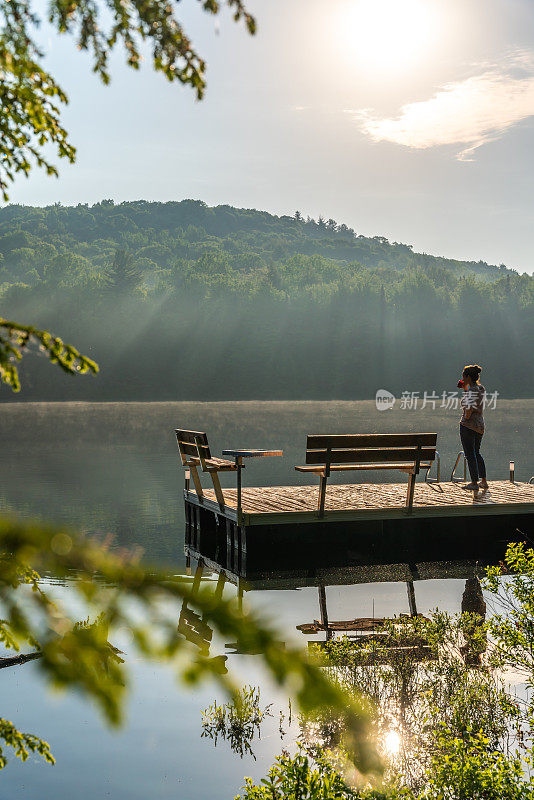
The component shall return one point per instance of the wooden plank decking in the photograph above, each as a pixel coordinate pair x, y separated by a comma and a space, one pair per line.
267, 504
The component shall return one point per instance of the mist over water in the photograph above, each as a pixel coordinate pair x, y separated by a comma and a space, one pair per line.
113, 468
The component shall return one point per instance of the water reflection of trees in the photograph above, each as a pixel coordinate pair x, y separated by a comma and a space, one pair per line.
424, 698
238, 722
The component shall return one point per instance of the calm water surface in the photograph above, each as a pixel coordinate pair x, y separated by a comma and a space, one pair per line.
113, 469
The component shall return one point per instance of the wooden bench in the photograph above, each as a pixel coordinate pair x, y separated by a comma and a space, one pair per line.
407, 452
195, 452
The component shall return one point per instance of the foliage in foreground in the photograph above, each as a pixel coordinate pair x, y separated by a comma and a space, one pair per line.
15, 338
469, 768
303, 777
512, 626
30, 98
468, 772
131, 598
22, 743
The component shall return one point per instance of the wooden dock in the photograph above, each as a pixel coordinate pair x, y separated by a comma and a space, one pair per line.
363, 524
266, 505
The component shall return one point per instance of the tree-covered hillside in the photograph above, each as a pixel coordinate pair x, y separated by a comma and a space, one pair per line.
179, 300
81, 242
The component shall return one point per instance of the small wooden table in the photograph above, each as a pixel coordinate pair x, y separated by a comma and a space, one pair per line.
239, 455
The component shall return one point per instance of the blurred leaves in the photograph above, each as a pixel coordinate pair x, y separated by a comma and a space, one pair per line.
22, 743
123, 595
15, 338
32, 101
303, 777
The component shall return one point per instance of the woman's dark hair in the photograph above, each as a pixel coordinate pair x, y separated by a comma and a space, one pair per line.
473, 370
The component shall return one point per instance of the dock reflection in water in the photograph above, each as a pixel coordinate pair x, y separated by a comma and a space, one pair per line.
412, 668
344, 561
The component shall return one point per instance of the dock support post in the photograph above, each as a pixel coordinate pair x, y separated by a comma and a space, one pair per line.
229, 546
198, 576
220, 586
243, 551
196, 528
187, 517
323, 610
219, 538
411, 598
239, 465
236, 533
188, 538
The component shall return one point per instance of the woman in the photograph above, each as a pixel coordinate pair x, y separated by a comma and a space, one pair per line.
472, 425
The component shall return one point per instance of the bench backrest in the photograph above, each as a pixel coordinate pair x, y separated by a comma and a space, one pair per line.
371, 448
188, 447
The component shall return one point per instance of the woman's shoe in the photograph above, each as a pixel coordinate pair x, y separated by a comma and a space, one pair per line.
484, 485
472, 486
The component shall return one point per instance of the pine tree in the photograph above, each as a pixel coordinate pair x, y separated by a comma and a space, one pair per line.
123, 275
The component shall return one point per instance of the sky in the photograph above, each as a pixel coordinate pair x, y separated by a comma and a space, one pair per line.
410, 119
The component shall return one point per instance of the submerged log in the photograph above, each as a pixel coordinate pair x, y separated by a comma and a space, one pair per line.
357, 624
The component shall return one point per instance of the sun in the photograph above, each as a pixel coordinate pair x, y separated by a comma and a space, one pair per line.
392, 743
387, 36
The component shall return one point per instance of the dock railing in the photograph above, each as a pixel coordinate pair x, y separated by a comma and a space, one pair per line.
429, 469
454, 479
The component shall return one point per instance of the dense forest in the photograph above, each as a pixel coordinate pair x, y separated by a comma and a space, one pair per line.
182, 301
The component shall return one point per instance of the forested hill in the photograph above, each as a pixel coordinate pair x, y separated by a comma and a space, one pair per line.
160, 235
183, 301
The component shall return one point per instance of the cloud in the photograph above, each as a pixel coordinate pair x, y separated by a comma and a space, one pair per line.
469, 113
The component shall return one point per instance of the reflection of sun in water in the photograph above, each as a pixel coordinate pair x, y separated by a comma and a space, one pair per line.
392, 743
385, 36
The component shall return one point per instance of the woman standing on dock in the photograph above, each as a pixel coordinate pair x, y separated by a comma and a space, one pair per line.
472, 425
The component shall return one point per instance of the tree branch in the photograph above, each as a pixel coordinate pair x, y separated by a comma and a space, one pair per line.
23, 658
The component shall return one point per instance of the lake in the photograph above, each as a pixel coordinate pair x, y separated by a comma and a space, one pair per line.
113, 469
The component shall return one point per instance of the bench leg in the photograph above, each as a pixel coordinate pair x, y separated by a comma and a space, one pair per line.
218, 491
409, 495
196, 481
322, 494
